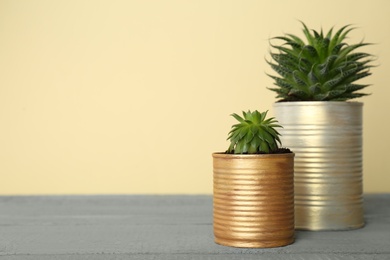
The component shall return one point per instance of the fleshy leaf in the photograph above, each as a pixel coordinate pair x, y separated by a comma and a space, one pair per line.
255, 133
310, 68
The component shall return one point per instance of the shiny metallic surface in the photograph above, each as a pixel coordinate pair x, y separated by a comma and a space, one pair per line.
253, 202
327, 140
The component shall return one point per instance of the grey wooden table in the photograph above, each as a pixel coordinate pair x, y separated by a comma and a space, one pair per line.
162, 227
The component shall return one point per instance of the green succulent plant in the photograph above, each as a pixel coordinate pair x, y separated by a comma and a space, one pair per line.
324, 68
253, 134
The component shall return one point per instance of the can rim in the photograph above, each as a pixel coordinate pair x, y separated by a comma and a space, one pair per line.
319, 103
252, 156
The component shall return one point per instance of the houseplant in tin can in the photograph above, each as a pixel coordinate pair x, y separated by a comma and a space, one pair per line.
253, 198
315, 79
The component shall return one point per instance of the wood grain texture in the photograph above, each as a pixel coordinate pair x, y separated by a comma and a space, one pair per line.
163, 227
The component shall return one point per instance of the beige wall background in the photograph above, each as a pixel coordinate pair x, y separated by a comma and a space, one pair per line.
117, 96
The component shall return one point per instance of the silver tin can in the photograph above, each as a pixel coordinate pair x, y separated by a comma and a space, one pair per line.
327, 140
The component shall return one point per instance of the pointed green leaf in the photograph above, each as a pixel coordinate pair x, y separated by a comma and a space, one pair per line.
240, 119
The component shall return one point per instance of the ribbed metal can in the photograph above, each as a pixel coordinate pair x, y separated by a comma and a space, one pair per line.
327, 140
253, 202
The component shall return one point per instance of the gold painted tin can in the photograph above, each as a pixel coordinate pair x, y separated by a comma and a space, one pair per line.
253, 202
327, 140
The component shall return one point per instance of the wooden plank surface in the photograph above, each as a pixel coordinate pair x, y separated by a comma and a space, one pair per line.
163, 227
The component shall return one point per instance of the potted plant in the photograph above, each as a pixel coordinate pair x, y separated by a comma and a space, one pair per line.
253, 201
316, 79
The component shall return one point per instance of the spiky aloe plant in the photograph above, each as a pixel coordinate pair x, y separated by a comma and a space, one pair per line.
324, 68
253, 134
